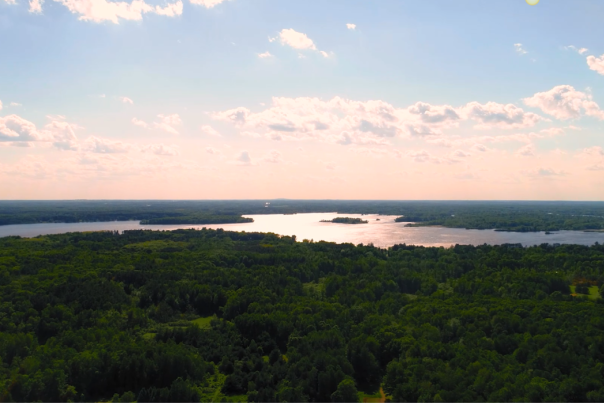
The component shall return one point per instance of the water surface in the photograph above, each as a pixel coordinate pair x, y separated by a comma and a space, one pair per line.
382, 233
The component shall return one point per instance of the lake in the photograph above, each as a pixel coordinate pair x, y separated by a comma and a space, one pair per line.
382, 233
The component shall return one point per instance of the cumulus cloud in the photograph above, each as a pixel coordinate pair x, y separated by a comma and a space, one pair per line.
105, 146
576, 49
211, 150
244, 158
526, 151
460, 154
265, 55
63, 133
564, 102
0, 105
103, 10
345, 122
596, 64
273, 157
160, 149
167, 123
351, 26
550, 172
297, 40
209, 131
503, 116
15, 128
139, 122
126, 100
35, 6
207, 3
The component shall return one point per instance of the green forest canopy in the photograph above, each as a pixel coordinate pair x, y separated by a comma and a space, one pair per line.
211, 315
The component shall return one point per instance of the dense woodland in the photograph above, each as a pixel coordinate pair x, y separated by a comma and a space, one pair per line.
211, 315
506, 216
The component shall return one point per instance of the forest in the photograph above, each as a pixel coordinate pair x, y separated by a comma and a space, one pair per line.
211, 315
521, 216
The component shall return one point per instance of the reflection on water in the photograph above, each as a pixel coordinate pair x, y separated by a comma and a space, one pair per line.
383, 233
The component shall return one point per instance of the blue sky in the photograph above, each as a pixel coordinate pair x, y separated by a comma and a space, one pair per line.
83, 75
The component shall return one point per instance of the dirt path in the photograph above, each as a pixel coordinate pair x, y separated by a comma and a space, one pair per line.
380, 399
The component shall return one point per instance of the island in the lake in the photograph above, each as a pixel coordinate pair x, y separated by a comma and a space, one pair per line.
346, 220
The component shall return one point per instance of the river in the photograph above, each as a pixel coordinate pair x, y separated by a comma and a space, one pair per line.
382, 231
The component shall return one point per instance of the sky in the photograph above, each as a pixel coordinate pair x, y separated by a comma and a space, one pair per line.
339, 99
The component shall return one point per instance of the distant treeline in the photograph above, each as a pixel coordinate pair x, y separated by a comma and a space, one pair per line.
346, 220
506, 216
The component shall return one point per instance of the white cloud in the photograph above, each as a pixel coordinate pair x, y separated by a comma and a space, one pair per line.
63, 133
596, 64
264, 55
160, 149
526, 151
207, 3
244, 158
273, 157
103, 10
574, 48
550, 172
479, 147
351, 26
503, 116
460, 154
0, 105
15, 128
167, 123
344, 121
105, 146
420, 156
520, 49
11, 2
14, 104
209, 131
564, 102
126, 100
295, 39
139, 122
35, 6
211, 150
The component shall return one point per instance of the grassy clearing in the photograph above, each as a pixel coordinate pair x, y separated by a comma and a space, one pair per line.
316, 290
149, 336
594, 292
203, 323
